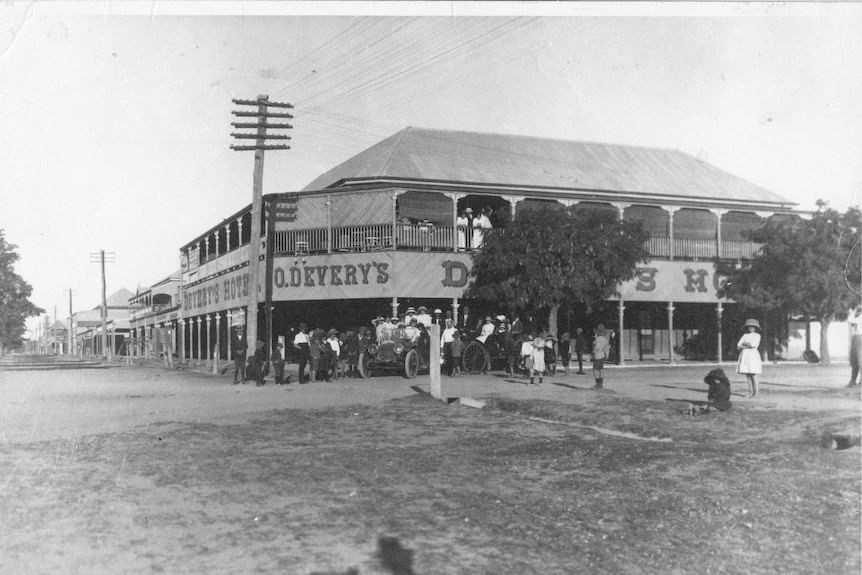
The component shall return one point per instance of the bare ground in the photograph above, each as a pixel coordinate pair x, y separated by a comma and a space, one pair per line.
404, 484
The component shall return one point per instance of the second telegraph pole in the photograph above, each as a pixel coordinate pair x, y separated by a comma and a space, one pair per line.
263, 104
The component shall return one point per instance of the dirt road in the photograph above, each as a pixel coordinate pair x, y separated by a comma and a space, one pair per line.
37, 406
138, 470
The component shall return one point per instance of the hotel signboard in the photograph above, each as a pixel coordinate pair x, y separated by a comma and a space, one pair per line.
676, 281
365, 275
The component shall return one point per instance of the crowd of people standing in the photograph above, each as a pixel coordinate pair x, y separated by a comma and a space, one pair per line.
329, 354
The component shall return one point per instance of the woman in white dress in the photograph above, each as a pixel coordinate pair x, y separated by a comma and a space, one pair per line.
482, 223
464, 224
749, 355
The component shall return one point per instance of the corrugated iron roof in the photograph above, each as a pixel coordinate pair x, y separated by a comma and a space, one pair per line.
528, 162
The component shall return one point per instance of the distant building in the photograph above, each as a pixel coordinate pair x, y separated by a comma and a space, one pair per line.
87, 325
380, 232
153, 312
55, 338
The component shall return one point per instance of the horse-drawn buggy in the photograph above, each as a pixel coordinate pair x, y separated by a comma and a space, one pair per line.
499, 350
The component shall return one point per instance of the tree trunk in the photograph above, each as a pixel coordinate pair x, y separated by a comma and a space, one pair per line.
825, 360
552, 319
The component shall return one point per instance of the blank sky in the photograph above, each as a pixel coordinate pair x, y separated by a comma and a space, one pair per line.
116, 128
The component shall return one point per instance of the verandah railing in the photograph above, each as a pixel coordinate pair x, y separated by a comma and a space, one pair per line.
447, 238
701, 249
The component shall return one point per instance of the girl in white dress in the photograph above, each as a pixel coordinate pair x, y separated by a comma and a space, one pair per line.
538, 357
749, 355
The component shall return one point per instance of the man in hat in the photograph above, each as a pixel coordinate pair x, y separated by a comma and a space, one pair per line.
240, 347
466, 322
855, 321
335, 347
423, 317
502, 324
303, 353
324, 356
438, 318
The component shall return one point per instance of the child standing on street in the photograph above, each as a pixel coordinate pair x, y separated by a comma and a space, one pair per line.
601, 348
457, 348
750, 363
526, 354
538, 357
550, 353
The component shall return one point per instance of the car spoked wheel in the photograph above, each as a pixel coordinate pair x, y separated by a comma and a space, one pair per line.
475, 357
364, 365
411, 364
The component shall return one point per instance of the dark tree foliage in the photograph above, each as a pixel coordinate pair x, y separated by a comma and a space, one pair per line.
807, 267
550, 255
15, 307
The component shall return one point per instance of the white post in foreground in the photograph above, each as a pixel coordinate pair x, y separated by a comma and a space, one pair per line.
434, 361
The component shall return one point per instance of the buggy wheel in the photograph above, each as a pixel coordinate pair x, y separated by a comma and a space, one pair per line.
364, 365
411, 364
475, 357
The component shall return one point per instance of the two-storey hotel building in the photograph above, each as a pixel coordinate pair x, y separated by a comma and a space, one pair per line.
380, 232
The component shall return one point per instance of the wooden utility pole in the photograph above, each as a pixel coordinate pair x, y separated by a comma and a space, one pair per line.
106, 349
71, 337
54, 333
260, 136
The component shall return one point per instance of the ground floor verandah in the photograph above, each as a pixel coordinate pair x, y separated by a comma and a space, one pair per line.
671, 309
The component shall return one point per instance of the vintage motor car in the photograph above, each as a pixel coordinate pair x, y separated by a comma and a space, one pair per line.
395, 353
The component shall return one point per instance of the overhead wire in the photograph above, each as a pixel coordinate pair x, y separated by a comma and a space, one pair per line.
400, 54
417, 63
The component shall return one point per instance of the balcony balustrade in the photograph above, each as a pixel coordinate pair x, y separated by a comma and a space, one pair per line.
442, 238
223, 262
142, 311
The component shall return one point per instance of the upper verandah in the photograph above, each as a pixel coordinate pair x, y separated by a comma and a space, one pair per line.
690, 208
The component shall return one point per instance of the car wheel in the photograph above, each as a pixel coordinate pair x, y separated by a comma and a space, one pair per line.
364, 365
411, 364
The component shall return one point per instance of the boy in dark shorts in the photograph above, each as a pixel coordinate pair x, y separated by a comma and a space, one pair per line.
456, 349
